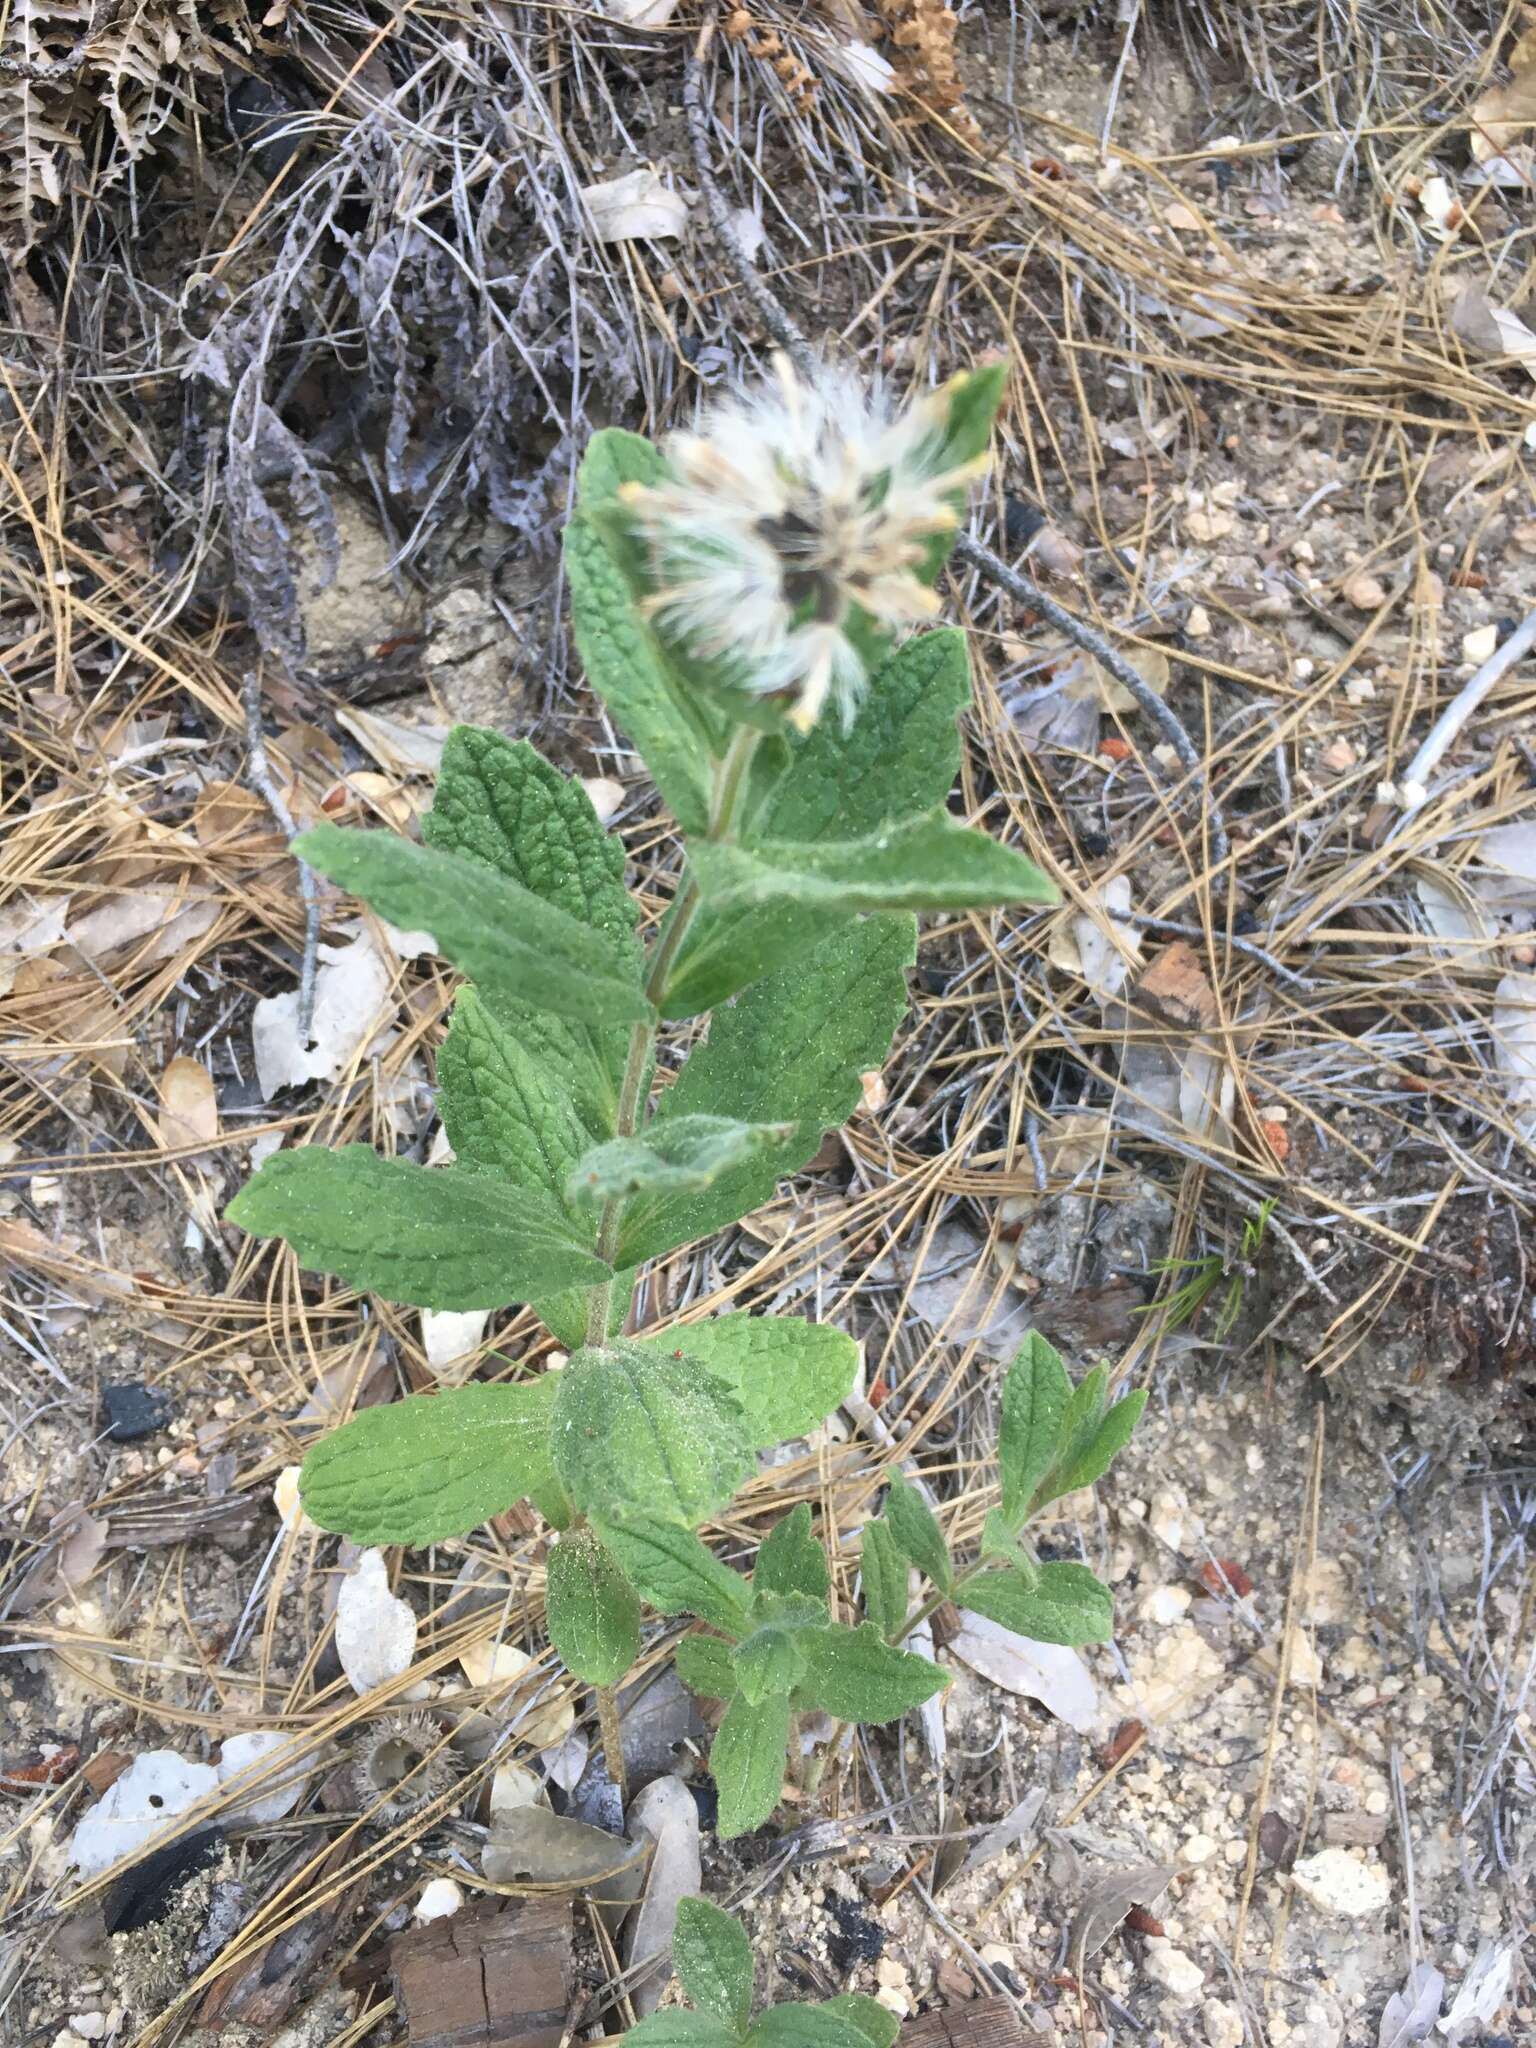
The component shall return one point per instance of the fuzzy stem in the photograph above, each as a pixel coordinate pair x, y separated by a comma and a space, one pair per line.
730, 779
613, 1745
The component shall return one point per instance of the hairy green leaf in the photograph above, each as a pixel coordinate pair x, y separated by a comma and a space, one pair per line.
901, 757
926, 863
856, 1675
972, 398
917, 1533
499, 802
503, 936
1057, 1603
677, 1574
439, 1237
792, 1048
676, 1157
677, 2027
746, 1762
432, 1466
704, 1665
648, 1434
807, 2026
1084, 1466
616, 457
883, 1572
878, 2026
787, 1374
629, 672
791, 1560
712, 1955
592, 1609
769, 1660
1035, 1396
501, 1107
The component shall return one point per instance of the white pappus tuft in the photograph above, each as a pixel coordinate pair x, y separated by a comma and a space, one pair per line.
788, 510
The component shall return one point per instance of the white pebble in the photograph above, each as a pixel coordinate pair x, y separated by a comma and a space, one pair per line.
1165, 1605
90, 2026
439, 1900
1199, 1849
375, 1632
1223, 2024
1336, 1882
153, 1790
1306, 1664
1477, 645
1176, 1973
278, 1791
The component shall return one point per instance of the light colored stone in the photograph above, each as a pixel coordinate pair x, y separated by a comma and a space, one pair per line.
273, 1793
1173, 1971
1198, 1849
90, 2026
451, 1337
439, 1900
1477, 645
1306, 1663
375, 1632
1338, 1882
152, 1791
1167, 1519
515, 1785
1165, 1605
604, 795
1222, 2024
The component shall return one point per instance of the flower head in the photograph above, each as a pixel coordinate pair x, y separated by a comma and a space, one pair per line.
789, 512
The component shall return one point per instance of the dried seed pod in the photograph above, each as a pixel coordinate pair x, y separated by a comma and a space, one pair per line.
769, 48
924, 32
402, 1765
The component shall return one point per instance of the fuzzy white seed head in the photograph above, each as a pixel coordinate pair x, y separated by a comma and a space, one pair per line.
788, 511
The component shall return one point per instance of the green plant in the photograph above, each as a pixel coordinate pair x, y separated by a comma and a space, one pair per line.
1204, 1276
725, 596
713, 1959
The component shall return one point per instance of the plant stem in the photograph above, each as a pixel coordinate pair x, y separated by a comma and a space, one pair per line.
816, 1766
613, 1745
935, 1601
730, 776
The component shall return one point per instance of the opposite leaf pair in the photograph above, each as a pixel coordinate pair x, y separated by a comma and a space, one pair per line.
713, 1959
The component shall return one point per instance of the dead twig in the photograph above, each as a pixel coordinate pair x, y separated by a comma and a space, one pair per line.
1092, 641
1460, 709
265, 786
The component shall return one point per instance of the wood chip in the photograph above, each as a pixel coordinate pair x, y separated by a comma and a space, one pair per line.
1178, 989
983, 2023
492, 1976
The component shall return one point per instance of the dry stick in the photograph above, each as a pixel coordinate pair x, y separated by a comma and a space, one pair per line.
1461, 707
1022, 588
262, 781
1092, 641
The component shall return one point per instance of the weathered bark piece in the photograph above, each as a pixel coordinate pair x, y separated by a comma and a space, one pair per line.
496, 1975
980, 2023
